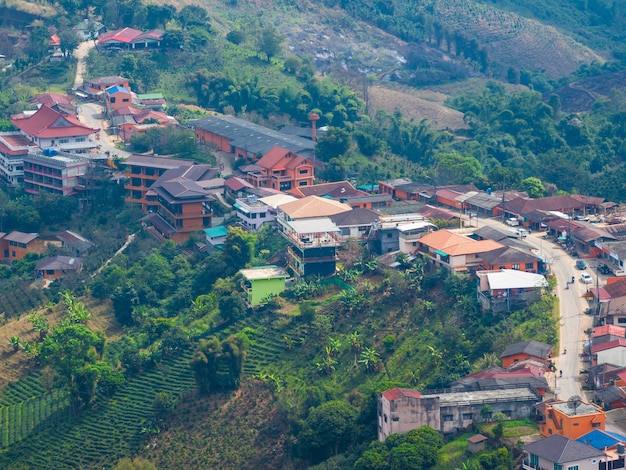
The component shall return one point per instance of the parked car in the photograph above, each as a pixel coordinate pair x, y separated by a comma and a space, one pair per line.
586, 278
580, 264
512, 221
604, 269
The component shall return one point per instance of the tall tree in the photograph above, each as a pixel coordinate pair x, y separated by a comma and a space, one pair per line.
269, 42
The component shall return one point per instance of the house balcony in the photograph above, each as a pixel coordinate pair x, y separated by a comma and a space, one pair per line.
312, 240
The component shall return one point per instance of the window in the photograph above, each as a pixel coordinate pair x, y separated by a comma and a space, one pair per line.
80, 139
571, 467
303, 183
530, 265
385, 418
395, 418
621, 321
304, 172
447, 418
507, 413
576, 424
595, 425
389, 235
262, 215
467, 416
50, 271
534, 460
113, 99
64, 141
515, 266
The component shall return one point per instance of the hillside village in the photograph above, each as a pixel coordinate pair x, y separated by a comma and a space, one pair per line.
53, 152
514, 248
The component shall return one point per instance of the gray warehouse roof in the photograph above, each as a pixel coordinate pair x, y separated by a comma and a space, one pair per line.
251, 137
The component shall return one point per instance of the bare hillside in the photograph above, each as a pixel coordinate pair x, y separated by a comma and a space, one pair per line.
513, 39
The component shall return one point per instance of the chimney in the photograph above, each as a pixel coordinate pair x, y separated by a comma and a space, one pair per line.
314, 117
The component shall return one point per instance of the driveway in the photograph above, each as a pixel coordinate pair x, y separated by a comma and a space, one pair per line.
92, 115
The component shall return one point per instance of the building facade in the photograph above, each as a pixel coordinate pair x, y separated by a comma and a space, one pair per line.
56, 174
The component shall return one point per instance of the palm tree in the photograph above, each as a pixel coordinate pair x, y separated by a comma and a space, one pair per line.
15, 342
370, 359
334, 345
355, 344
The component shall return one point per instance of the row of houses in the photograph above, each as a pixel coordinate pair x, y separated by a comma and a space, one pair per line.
573, 432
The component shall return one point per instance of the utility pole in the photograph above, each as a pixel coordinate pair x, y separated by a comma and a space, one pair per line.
503, 201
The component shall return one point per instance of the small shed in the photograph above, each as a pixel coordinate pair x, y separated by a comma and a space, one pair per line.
476, 443
261, 282
216, 236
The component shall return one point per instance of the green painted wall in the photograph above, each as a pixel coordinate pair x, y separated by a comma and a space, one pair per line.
261, 288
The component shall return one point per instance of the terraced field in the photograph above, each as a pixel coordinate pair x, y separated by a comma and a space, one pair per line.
111, 431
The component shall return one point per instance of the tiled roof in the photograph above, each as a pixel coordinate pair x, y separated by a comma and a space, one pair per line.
614, 330
395, 393
237, 184
313, 206
279, 158
64, 263
477, 438
48, 123
532, 348
21, 237
335, 189
559, 449
124, 35
50, 99
109, 80
554, 203
358, 216
617, 343
508, 255
455, 245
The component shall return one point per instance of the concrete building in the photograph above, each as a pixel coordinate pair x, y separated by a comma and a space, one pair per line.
60, 174
261, 282
401, 410
571, 418
14, 147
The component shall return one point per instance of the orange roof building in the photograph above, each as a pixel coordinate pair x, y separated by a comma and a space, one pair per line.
282, 169
455, 252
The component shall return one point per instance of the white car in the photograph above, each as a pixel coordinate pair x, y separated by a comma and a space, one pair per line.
586, 278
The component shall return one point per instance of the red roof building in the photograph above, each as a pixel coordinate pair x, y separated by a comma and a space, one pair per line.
283, 170
47, 128
131, 38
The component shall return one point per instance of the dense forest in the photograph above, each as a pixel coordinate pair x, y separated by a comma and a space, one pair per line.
157, 355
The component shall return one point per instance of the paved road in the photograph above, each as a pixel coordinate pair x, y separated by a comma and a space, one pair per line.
92, 115
573, 320
80, 53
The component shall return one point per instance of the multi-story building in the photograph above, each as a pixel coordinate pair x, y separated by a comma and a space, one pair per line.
141, 173
312, 249
57, 174
183, 206
572, 418
283, 170
50, 129
254, 212
13, 148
